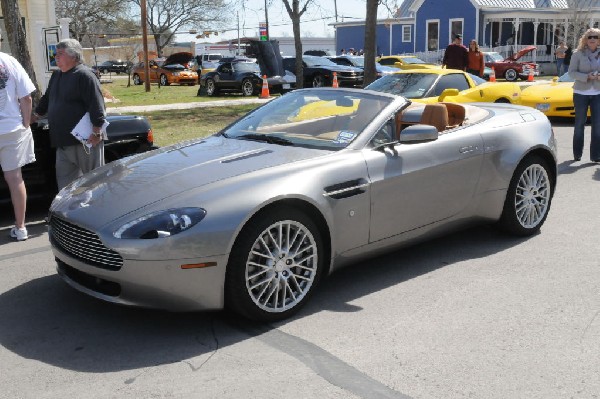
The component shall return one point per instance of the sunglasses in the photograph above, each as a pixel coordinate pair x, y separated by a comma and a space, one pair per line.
592, 37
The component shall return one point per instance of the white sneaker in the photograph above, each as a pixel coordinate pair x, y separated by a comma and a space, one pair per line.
19, 234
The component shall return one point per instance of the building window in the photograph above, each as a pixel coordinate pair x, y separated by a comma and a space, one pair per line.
456, 28
406, 33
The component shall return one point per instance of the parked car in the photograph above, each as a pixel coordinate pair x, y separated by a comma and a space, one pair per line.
116, 66
320, 53
254, 217
433, 85
173, 70
318, 72
554, 98
359, 62
127, 135
245, 78
510, 68
405, 62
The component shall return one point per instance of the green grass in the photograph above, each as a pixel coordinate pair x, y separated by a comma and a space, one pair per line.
137, 95
172, 126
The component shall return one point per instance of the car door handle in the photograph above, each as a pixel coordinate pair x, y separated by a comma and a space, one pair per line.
467, 149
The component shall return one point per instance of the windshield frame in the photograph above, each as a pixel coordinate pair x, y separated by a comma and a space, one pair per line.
324, 119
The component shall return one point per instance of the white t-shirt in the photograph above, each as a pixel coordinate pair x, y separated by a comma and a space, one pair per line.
14, 84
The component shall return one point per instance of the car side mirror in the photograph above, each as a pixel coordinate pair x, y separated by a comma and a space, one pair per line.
448, 93
418, 134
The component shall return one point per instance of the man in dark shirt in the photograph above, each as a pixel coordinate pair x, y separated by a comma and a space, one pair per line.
73, 91
456, 55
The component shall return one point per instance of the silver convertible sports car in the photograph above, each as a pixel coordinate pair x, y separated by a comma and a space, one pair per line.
254, 216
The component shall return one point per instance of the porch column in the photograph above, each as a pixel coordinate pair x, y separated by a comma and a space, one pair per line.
516, 25
535, 29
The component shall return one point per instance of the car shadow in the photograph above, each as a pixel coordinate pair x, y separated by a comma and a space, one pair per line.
46, 320
572, 166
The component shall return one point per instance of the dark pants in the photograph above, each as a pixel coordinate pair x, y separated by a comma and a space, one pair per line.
582, 102
473, 72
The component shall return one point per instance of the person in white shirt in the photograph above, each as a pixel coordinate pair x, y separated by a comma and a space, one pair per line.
16, 140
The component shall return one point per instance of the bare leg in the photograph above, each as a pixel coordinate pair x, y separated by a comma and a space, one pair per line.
18, 195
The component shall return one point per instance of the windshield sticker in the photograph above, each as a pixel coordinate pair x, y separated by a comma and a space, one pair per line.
345, 137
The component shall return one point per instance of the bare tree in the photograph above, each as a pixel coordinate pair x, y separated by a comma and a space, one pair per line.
90, 16
295, 11
166, 17
17, 41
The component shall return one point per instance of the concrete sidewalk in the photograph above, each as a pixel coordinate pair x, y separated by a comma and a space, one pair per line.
204, 104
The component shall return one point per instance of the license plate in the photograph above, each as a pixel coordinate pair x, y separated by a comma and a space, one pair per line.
544, 107
286, 85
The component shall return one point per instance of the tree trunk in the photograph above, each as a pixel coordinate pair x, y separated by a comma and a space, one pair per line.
370, 42
18, 43
298, 48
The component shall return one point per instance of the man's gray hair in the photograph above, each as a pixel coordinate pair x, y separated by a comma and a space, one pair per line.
73, 48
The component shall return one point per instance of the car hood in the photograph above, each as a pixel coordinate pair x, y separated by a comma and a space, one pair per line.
131, 183
339, 68
179, 58
521, 53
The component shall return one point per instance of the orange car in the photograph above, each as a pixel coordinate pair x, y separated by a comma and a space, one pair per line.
174, 69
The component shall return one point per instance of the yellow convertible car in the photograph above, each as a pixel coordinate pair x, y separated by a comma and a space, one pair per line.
404, 62
553, 99
448, 85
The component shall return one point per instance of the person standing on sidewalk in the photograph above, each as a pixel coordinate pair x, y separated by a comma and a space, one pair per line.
476, 61
560, 53
585, 70
16, 140
72, 91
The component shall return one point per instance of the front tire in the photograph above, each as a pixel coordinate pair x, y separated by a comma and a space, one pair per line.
274, 266
528, 198
211, 88
511, 75
318, 81
163, 80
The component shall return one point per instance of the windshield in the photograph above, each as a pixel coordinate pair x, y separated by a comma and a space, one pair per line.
566, 78
246, 67
477, 80
413, 60
357, 61
315, 61
409, 85
324, 119
494, 57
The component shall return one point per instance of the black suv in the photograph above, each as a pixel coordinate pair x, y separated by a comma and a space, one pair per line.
113, 66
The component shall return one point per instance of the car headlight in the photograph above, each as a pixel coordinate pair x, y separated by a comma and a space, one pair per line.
175, 73
161, 224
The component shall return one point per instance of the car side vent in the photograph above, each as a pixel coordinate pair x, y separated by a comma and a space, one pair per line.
246, 156
346, 189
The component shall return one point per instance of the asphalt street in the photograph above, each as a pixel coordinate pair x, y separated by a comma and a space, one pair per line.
473, 315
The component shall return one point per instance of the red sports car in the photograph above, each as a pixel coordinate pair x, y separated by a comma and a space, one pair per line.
509, 68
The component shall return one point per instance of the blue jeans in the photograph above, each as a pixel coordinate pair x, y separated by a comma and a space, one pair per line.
582, 103
559, 66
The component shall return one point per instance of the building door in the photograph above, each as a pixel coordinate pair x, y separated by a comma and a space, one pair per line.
433, 35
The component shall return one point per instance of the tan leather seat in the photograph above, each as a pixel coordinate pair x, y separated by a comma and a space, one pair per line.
456, 114
435, 115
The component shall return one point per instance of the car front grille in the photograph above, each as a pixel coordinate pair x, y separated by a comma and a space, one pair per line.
82, 245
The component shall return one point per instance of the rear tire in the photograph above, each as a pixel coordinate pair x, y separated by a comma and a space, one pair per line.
136, 79
164, 81
247, 88
528, 197
275, 265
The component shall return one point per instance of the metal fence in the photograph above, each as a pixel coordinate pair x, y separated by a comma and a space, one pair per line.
542, 54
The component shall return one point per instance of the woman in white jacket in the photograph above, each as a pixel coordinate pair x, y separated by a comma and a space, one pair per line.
585, 69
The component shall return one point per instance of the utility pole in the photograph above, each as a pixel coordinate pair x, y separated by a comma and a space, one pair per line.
267, 20
145, 44
335, 9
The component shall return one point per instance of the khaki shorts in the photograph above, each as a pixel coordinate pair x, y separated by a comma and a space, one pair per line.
16, 149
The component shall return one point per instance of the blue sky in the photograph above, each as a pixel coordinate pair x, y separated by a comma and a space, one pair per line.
314, 22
